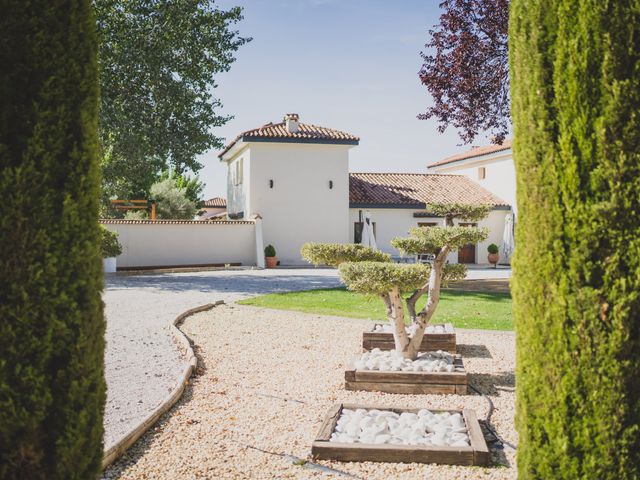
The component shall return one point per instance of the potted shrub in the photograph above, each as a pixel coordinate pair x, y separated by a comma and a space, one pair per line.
493, 256
270, 256
111, 248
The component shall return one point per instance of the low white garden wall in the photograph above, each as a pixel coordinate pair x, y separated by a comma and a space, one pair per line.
171, 243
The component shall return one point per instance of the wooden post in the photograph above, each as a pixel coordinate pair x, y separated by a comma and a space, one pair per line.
153, 210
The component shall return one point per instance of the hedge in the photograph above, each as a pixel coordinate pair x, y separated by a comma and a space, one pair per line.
52, 388
575, 77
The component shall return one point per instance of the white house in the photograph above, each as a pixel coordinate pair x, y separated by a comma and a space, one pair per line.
295, 176
491, 167
398, 202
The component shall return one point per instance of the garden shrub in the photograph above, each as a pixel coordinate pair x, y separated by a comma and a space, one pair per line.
52, 388
576, 287
173, 202
110, 246
334, 254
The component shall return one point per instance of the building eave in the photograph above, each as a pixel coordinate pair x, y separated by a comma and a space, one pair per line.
471, 161
410, 206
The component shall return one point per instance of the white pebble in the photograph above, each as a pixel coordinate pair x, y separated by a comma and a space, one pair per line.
408, 428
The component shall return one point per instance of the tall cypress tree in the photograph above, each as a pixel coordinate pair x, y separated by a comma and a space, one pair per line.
575, 77
52, 388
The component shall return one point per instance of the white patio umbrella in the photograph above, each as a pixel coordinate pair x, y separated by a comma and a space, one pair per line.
508, 241
368, 238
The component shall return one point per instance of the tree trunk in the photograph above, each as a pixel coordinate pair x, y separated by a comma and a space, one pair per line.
395, 315
576, 101
427, 312
413, 299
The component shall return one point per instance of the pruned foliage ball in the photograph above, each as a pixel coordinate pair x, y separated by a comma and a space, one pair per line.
380, 278
336, 253
432, 239
453, 272
464, 211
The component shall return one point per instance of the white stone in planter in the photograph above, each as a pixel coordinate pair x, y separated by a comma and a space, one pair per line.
411, 329
387, 427
109, 264
393, 361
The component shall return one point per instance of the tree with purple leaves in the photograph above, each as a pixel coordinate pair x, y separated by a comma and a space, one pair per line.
466, 71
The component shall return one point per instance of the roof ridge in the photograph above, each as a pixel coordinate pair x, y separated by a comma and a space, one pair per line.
306, 133
406, 189
410, 173
474, 152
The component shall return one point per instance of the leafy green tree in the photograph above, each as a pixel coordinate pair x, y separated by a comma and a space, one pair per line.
52, 388
192, 186
575, 79
368, 271
158, 63
172, 201
136, 215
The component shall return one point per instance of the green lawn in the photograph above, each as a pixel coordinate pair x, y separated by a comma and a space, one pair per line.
491, 311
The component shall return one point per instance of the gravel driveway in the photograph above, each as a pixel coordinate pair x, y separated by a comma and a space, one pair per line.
142, 363
265, 382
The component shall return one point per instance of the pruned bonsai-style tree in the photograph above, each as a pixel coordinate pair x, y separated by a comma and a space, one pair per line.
362, 272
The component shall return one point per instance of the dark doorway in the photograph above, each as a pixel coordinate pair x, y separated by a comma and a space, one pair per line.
467, 253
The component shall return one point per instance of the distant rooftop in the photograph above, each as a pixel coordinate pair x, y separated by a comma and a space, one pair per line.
415, 190
474, 152
216, 202
292, 131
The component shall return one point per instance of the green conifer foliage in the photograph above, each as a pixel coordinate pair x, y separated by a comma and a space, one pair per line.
52, 388
575, 78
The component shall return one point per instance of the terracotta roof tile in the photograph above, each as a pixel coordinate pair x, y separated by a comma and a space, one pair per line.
474, 152
416, 189
306, 133
215, 202
213, 216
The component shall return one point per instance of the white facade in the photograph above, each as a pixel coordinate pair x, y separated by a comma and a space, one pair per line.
396, 222
494, 172
301, 191
295, 177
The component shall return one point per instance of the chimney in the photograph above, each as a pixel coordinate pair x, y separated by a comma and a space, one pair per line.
291, 122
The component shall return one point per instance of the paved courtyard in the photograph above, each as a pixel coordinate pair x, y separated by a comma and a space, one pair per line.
142, 362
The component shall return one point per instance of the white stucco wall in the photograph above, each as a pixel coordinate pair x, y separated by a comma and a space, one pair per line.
500, 175
166, 244
300, 207
495, 223
238, 195
396, 222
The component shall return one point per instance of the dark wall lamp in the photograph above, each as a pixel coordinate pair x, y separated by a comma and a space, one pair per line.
330, 184
270, 183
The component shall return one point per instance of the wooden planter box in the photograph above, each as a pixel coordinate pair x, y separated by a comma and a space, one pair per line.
475, 454
431, 342
412, 383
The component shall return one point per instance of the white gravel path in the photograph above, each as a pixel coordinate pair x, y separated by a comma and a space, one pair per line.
142, 363
252, 359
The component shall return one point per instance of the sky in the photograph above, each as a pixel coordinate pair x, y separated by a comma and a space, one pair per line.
345, 64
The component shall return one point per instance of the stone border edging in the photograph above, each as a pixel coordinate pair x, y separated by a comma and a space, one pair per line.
129, 439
